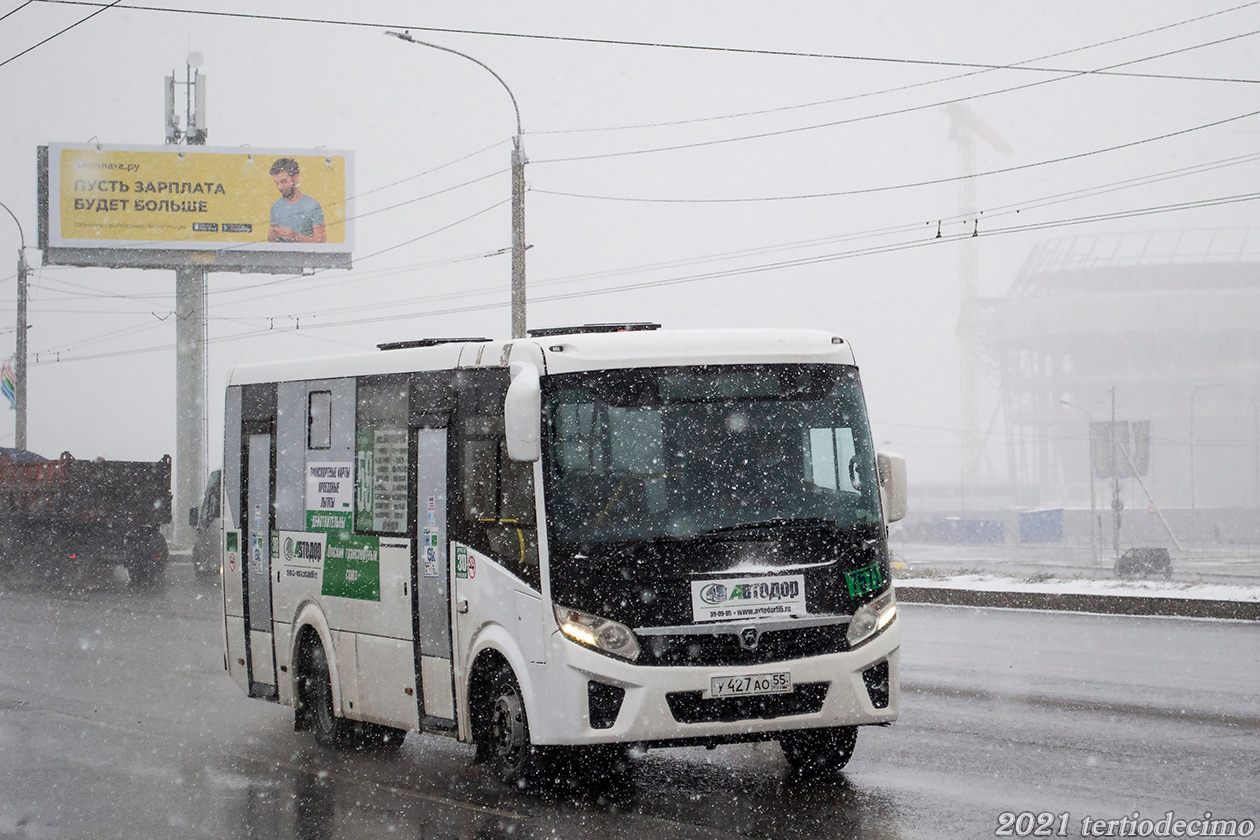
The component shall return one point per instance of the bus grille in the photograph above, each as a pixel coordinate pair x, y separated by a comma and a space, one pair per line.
693, 707
725, 648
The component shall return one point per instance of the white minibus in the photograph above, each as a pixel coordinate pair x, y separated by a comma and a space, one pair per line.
586, 539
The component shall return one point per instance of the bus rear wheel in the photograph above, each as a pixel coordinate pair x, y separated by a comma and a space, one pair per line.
316, 698
815, 752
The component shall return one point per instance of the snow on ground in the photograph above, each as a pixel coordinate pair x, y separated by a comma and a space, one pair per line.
1143, 588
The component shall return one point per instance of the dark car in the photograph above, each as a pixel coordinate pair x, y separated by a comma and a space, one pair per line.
206, 530
1144, 561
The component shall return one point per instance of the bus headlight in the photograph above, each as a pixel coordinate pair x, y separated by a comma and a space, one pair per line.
871, 619
603, 634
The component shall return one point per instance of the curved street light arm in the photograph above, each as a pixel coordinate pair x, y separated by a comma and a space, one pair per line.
406, 36
21, 233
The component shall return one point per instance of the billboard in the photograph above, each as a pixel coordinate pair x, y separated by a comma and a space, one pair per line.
1121, 449
173, 206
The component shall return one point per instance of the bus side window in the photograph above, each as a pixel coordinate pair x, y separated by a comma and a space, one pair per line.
514, 537
381, 498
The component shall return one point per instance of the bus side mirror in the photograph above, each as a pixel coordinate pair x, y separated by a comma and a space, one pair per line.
892, 485
192, 517
522, 413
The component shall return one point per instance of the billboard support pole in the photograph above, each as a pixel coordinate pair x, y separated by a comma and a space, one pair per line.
190, 337
19, 365
190, 391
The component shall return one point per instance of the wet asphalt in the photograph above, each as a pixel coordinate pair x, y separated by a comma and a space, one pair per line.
118, 721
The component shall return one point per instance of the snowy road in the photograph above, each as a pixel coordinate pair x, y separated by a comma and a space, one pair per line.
117, 720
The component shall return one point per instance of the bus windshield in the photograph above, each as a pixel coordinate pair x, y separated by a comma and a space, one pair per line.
651, 454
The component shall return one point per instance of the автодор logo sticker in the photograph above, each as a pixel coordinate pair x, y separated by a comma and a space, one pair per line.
742, 598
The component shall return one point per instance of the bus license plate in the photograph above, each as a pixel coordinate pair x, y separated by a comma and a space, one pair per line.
780, 683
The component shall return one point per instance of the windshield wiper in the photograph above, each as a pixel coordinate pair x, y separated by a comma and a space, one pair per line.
777, 523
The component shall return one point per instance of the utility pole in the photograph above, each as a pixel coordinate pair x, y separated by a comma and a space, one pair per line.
1094, 535
1117, 504
1193, 394
518, 238
190, 322
518, 189
19, 362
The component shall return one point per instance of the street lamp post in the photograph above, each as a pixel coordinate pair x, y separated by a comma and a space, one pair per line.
518, 190
1193, 394
1093, 505
19, 372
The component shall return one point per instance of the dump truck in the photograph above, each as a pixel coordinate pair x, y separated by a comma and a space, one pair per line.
63, 514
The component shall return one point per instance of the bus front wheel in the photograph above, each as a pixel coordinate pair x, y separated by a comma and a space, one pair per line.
814, 752
504, 738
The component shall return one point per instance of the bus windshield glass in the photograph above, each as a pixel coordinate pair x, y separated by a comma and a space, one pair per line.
662, 454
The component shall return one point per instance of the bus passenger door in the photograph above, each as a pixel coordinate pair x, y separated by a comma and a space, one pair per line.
433, 603
257, 516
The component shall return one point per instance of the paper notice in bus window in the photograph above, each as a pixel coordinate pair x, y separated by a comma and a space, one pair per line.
389, 480
329, 485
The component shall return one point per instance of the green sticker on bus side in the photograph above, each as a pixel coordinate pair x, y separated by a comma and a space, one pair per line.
352, 567
864, 580
461, 561
328, 521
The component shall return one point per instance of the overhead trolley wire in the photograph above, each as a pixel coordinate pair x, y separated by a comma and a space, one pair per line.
1075, 74
734, 272
706, 48
18, 9
60, 32
991, 213
872, 250
1012, 66
911, 184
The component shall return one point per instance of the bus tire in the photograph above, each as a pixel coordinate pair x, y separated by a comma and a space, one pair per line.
816, 752
504, 737
317, 701
315, 711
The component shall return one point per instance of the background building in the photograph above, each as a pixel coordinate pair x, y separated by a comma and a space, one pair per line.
1171, 321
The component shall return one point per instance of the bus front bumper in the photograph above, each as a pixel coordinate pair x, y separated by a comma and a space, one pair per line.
591, 698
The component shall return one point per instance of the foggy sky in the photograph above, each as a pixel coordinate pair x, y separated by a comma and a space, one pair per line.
406, 110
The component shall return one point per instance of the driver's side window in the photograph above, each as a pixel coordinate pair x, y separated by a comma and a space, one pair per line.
832, 463
498, 493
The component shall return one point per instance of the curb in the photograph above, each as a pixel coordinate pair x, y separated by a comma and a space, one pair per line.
1106, 604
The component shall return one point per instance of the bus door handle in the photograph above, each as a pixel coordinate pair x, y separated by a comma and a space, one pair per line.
461, 607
